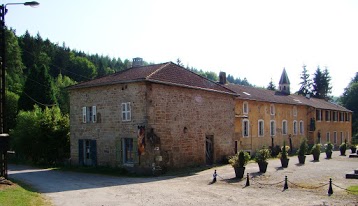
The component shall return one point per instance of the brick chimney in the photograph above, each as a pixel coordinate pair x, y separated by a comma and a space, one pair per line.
222, 78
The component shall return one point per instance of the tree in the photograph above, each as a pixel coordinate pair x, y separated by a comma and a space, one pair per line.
306, 83
321, 84
11, 109
349, 99
271, 86
81, 68
42, 136
38, 88
61, 83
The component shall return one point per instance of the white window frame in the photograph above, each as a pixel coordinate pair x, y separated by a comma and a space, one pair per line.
327, 117
302, 129
245, 122
318, 115
126, 112
272, 128
284, 127
272, 109
89, 114
261, 128
245, 108
294, 127
342, 137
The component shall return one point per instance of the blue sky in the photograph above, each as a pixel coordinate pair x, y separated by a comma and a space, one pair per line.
255, 39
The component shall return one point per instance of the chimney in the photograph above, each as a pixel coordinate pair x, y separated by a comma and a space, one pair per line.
222, 78
137, 62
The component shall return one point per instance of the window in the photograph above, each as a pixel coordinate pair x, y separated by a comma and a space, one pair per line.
318, 114
335, 116
272, 128
295, 127
284, 127
261, 128
89, 114
128, 151
341, 116
294, 111
301, 127
328, 116
342, 137
245, 128
245, 108
126, 111
328, 138
272, 109
334, 137
348, 117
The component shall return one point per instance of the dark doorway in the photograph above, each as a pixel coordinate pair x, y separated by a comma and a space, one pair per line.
209, 149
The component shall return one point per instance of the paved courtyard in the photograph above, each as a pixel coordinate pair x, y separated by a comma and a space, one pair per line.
304, 181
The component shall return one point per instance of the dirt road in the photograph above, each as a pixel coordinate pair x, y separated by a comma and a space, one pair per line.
69, 188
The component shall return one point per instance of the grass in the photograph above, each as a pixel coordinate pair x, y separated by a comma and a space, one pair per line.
21, 194
353, 189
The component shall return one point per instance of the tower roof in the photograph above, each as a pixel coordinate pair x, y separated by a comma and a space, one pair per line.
284, 78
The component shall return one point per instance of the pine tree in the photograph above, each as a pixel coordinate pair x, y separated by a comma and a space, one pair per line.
271, 86
38, 87
306, 83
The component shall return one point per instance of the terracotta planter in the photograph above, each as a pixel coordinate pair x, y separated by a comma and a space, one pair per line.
239, 172
262, 166
302, 159
284, 162
329, 155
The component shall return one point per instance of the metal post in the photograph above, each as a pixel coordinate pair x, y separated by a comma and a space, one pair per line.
3, 129
285, 187
330, 190
247, 180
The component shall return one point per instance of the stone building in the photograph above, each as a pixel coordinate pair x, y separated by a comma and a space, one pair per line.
265, 118
153, 115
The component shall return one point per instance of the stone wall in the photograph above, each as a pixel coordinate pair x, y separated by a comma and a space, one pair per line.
183, 117
109, 129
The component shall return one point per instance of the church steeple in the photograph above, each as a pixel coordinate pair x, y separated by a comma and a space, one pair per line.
284, 84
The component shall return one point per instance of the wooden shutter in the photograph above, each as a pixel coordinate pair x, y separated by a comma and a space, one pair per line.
80, 152
84, 114
94, 114
93, 152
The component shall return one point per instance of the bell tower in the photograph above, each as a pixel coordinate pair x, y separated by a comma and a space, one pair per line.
284, 84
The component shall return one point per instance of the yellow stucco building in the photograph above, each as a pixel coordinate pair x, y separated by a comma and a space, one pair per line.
266, 118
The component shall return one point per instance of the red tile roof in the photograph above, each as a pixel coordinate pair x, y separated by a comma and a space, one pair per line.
165, 73
258, 94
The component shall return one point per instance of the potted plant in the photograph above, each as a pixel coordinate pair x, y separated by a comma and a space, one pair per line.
284, 155
329, 150
302, 151
343, 148
238, 162
316, 151
261, 158
353, 148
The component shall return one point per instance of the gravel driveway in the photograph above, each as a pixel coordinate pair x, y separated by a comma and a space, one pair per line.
70, 188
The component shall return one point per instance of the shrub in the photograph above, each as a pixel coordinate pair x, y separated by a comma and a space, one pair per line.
329, 147
240, 159
303, 148
316, 149
262, 155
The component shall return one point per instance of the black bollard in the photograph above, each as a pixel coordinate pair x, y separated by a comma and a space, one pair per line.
247, 180
214, 177
285, 187
330, 190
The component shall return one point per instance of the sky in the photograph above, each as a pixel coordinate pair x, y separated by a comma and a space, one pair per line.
253, 39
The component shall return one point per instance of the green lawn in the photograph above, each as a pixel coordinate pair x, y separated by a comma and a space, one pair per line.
21, 195
353, 189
